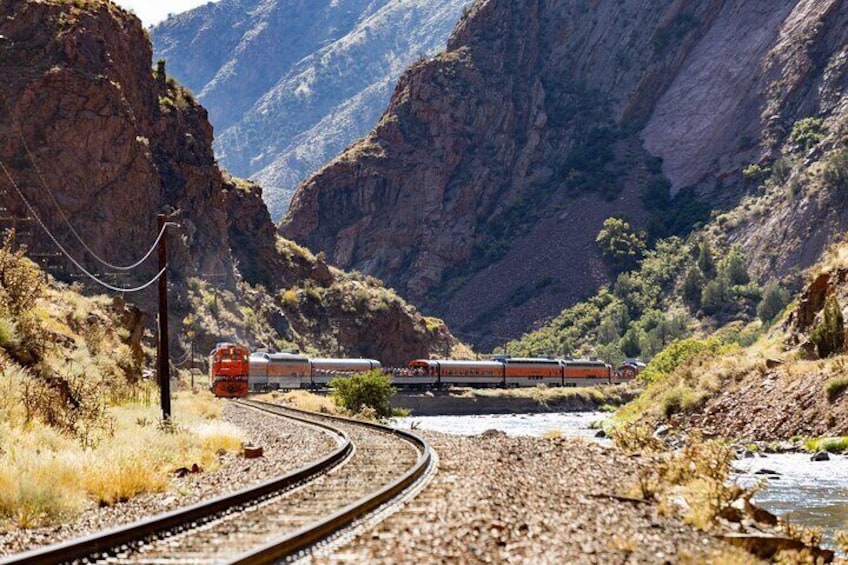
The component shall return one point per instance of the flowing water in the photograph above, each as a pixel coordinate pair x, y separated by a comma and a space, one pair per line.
808, 493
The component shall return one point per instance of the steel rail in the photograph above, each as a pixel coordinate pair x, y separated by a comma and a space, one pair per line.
308, 536
104, 543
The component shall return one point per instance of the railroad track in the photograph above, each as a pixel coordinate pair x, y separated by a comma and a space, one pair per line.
275, 521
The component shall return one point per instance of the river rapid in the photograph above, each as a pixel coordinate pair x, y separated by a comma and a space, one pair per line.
808, 493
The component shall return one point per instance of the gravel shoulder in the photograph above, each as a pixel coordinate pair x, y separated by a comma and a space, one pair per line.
287, 446
531, 500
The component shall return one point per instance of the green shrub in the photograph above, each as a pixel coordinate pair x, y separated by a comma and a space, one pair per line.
681, 400
371, 390
830, 444
807, 132
774, 301
829, 334
835, 387
754, 173
676, 353
8, 334
693, 287
620, 244
835, 171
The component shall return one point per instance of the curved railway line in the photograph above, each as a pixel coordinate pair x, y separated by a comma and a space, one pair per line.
276, 520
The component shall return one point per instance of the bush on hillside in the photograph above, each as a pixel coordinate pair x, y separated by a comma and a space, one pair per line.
829, 334
774, 301
364, 390
21, 285
835, 387
807, 132
620, 244
676, 353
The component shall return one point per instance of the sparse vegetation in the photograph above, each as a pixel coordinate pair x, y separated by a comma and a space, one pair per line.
807, 132
830, 444
835, 387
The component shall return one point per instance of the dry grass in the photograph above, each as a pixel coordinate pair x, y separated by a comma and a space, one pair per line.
691, 482
601, 394
691, 384
47, 476
304, 400
38, 485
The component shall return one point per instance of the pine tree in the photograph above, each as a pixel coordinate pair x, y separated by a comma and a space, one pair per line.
705, 260
693, 286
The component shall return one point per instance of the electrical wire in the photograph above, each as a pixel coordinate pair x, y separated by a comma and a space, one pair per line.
66, 253
71, 227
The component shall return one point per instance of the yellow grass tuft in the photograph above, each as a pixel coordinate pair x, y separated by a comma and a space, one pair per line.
129, 470
218, 437
202, 404
38, 487
305, 400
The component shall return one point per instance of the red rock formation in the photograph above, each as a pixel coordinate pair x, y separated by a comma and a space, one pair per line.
90, 133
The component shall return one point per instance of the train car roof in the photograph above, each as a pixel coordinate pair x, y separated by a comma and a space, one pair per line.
285, 357
452, 363
343, 360
545, 360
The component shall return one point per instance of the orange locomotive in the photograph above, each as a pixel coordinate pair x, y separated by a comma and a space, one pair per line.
228, 370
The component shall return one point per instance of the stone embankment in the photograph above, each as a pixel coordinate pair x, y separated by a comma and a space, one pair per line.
444, 403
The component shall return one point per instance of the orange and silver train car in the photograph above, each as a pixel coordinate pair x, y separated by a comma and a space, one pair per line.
506, 372
228, 370
286, 371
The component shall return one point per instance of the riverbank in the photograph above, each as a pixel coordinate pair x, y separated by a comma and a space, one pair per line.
535, 500
532, 400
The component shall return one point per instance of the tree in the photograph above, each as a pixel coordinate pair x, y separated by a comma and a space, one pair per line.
630, 343
716, 296
734, 268
693, 286
829, 335
620, 244
774, 301
705, 260
372, 389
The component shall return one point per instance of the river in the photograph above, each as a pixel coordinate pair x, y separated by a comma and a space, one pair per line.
808, 493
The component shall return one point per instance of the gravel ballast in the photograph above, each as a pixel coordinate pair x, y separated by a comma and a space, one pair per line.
528, 500
286, 445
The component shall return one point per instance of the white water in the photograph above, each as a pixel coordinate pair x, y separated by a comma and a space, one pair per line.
813, 494
571, 424
810, 493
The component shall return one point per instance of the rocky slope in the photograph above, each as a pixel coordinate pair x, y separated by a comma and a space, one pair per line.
98, 144
288, 84
497, 161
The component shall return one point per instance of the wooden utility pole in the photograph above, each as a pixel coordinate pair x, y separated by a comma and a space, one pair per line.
164, 372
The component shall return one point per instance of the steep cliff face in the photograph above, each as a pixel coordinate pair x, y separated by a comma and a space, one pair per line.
92, 137
98, 143
497, 161
290, 83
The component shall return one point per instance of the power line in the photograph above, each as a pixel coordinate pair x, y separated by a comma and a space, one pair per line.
71, 227
66, 253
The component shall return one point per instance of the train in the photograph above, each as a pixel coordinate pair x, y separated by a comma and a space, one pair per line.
234, 371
